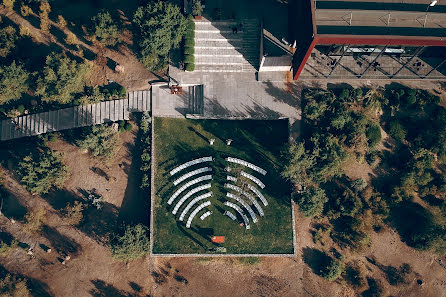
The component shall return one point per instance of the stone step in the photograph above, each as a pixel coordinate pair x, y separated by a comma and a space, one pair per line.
217, 51
218, 35
223, 43
218, 60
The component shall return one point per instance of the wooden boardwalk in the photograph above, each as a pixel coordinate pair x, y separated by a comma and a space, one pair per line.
74, 117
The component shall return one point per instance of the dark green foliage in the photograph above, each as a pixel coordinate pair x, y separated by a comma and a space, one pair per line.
128, 126
189, 43
299, 165
189, 59
190, 67
197, 9
397, 130
145, 126
105, 28
7, 40
189, 51
62, 78
312, 201
21, 108
344, 95
333, 270
14, 81
373, 134
41, 172
131, 245
101, 141
160, 27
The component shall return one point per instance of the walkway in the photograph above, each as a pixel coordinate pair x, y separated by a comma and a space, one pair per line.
74, 117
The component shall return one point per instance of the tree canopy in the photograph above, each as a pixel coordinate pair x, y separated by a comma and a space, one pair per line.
133, 244
14, 81
160, 26
7, 40
105, 28
101, 141
62, 78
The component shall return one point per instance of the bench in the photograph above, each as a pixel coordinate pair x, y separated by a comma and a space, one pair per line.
205, 215
244, 204
189, 194
190, 163
246, 164
187, 185
253, 178
192, 173
240, 211
252, 199
192, 203
196, 210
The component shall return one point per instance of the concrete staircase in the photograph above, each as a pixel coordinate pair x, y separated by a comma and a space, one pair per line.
218, 49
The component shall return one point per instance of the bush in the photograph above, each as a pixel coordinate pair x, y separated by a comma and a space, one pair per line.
105, 29
21, 108
11, 286
39, 173
189, 50
14, 81
312, 201
189, 43
61, 21
25, 10
9, 4
133, 244
332, 270
34, 221
101, 141
344, 95
190, 67
73, 213
397, 130
373, 135
197, 9
52, 137
128, 126
189, 59
8, 38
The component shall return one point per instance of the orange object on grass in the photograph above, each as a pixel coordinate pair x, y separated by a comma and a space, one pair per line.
218, 239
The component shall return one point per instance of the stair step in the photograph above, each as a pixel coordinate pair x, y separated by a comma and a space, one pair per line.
205, 43
222, 52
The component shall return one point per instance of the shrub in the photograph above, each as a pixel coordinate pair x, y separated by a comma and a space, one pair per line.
101, 141
14, 81
249, 260
61, 21
312, 201
45, 9
133, 244
332, 270
190, 67
52, 137
39, 173
197, 9
397, 130
105, 29
71, 38
9, 4
8, 38
73, 213
34, 221
189, 43
21, 108
373, 135
189, 59
344, 95
128, 126
189, 50
25, 10
11, 286
5, 247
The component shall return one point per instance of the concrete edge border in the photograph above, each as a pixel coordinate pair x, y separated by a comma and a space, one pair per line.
152, 198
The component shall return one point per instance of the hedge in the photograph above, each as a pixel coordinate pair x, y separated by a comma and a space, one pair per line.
189, 59
190, 67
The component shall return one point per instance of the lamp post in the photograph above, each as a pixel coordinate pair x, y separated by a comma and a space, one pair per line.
433, 2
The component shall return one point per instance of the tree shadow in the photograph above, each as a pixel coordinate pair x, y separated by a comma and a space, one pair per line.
103, 289
36, 287
12, 207
315, 259
61, 243
100, 223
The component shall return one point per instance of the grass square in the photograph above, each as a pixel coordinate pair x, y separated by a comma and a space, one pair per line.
256, 141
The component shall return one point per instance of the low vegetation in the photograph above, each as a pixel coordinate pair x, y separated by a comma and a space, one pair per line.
42, 171
189, 45
105, 29
146, 143
101, 141
12, 286
132, 244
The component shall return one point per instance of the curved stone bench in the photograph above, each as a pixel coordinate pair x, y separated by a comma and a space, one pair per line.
190, 163
246, 164
205, 215
240, 211
231, 178
189, 194
252, 199
260, 195
230, 215
253, 178
192, 173
192, 203
244, 204
196, 210
187, 185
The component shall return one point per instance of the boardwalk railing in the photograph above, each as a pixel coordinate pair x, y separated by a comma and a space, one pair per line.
75, 117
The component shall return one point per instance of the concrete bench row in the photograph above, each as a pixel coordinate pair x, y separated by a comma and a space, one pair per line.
246, 164
230, 215
253, 178
259, 194
193, 202
189, 194
187, 185
192, 173
190, 163
205, 215
196, 210
240, 211
247, 195
244, 204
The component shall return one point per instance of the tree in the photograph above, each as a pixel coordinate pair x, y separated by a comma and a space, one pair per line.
101, 141
7, 40
160, 26
397, 130
73, 213
312, 201
105, 29
298, 168
197, 9
34, 221
332, 270
133, 244
45, 9
9, 4
373, 135
62, 79
14, 81
11, 286
42, 172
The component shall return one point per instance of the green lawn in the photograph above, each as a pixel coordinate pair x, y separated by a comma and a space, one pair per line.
259, 142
